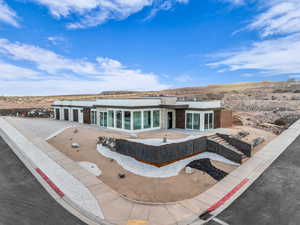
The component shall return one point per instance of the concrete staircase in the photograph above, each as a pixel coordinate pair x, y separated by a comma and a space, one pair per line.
225, 149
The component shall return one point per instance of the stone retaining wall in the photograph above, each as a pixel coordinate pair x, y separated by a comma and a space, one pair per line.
242, 146
163, 154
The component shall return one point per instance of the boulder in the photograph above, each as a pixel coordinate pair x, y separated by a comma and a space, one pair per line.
188, 170
75, 145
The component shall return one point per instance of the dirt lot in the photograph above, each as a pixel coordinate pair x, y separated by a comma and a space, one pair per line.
182, 186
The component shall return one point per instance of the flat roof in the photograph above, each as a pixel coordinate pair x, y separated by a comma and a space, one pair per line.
148, 102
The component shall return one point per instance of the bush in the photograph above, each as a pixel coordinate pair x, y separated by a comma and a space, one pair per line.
280, 122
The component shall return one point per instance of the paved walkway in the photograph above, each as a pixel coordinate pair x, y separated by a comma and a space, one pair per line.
273, 198
118, 210
41, 127
23, 201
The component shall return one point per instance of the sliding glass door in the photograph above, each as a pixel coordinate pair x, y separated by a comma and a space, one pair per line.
137, 120
196, 121
147, 119
199, 120
111, 119
119, 118
208, 121
103, 119
127, 120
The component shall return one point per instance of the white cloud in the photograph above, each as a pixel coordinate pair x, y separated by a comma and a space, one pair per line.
57, 74
12, 72
278, 52
75, 86
7, 15
281, 17
234, 2
278, 56
44, 59
163, 6
97, 12
56, 40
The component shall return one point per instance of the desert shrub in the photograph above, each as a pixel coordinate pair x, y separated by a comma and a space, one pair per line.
280, 122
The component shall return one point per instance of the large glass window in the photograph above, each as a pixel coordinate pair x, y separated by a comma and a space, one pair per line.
57, 114
211, 121
127, 120
103, 119
189, 120
94, 117
75, 115
147, 119
119, 119
111, 118
156, 118
66, 114
208, 121
137, 120
196, 121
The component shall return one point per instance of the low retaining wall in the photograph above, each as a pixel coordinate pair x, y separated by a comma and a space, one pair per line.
223, 151
242, 146
163, 154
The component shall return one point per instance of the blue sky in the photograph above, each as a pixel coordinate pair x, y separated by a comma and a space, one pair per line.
50, 47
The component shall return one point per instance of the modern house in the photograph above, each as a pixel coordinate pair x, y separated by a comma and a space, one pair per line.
148, 113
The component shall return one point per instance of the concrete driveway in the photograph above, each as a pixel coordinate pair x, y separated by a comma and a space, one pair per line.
273, 199
23, 201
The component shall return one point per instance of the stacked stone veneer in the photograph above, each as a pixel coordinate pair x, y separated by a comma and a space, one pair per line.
167, 153
224, 151
163, 154
242, 146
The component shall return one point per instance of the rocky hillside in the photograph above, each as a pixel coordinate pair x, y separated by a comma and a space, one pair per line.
258, 104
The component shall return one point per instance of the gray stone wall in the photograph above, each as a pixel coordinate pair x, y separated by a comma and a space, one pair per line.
163, 154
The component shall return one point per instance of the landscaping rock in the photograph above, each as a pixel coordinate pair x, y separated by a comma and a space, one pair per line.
121, 175
75, 145
107, 142
243, 134
188, 170
257, 141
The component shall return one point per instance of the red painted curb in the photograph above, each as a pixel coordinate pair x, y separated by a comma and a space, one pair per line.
50, 183
228, 195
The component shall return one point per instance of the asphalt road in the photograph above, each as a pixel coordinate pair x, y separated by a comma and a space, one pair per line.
23, 201
273, 199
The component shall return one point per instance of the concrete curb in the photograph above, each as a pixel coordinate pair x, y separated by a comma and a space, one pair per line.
49, 185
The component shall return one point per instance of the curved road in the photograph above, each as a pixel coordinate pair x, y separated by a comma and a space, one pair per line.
273, 199
23, 201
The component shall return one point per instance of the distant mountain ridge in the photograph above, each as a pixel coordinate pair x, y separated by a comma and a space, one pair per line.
210, 92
